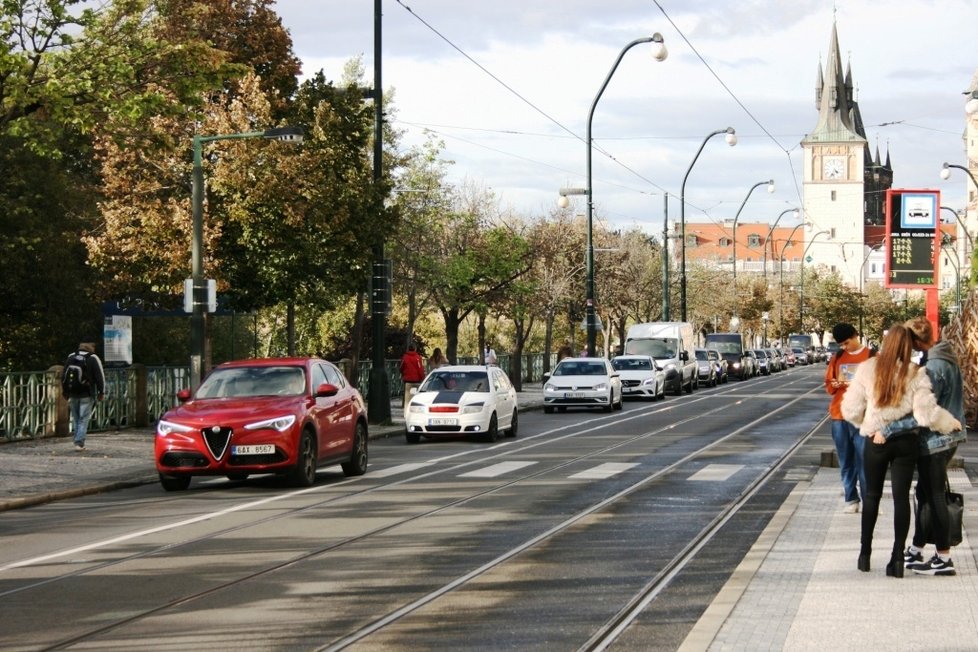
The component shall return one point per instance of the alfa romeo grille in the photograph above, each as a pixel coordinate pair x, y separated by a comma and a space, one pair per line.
217, 440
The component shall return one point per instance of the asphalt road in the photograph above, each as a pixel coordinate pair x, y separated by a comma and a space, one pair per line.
533, 543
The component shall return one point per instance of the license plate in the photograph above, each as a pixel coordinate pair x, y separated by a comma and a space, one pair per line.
573, 394
256, 449
444, 421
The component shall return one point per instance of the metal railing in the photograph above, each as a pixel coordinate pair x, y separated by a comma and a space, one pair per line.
31, 406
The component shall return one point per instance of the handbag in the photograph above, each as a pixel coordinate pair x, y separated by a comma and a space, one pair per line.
955, 512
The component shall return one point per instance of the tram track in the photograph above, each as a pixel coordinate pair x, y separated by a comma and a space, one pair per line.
526, 444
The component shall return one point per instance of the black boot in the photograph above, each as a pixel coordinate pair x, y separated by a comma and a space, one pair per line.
895, 567
863, 562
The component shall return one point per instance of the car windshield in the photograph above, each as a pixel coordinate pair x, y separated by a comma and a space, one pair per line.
663, 347
456, 381
632, 364
580, 368
726, 347
797, 351
760, 353
239, 382
701, 355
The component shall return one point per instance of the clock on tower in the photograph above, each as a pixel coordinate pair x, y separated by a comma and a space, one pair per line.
834, 167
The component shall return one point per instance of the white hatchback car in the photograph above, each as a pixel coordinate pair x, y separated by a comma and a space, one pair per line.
582, 382
640, 376
462, 400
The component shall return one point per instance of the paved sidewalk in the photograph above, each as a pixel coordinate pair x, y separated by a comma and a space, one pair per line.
799, 589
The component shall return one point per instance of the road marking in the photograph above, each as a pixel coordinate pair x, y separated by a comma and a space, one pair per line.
602, 471
716, 472
497, 470
400, 468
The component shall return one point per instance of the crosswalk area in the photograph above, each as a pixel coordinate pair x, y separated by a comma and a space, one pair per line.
603, 471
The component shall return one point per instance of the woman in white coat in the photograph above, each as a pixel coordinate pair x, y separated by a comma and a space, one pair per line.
884, 389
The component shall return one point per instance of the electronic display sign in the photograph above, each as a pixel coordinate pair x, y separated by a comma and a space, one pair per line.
912, 238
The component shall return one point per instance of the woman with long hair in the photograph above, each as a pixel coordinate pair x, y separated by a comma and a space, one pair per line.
886, 388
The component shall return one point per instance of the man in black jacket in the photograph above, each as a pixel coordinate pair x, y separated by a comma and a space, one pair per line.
82, 383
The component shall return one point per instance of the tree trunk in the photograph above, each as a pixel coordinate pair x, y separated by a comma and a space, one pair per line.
412, 300
548, 340
482, 337
290, 327
359, 317
452, 321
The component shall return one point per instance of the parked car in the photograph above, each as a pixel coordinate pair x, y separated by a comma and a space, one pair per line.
288, 416
830, 350
721, 364
764, 363
789, 358
671, 343
640, 376
777, 362
462, 400
751, 365
706, 371
801, 355
820, 354
582, 382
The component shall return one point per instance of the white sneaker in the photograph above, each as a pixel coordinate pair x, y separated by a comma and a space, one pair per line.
79, 447
851, 508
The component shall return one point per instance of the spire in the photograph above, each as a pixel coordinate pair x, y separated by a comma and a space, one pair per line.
819, 84
837, 120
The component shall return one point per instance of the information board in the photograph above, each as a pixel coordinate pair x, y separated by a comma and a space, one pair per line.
911, 238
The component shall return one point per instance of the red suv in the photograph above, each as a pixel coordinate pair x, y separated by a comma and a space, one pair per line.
278, 415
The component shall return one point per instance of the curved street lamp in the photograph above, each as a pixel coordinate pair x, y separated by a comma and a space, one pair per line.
199, 285
660, 53
946, 172
971, 106
961, 223
801, 293
771, 230
948, 245
731, 138
781, 282
770, 189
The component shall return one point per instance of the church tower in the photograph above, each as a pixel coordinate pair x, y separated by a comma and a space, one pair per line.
837, 168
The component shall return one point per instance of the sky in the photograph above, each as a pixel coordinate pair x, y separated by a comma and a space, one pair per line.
509, 85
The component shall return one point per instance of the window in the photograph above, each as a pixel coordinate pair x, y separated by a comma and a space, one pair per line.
753, 240
690, 240
725, 242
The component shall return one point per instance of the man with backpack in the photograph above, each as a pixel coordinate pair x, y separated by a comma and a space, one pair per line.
82, 383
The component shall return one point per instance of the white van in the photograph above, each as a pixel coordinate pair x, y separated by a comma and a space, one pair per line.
671, 343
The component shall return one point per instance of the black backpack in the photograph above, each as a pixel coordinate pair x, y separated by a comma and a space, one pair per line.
75, 380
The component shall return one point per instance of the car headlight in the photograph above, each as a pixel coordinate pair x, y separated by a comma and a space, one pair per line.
473, 408
600, 387
736, 365
277, 423
167, 427
417, 408
649, 381
549, 388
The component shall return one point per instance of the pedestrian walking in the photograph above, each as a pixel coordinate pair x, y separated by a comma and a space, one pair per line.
437, 359
412, 372
489, 355
82, 384
849, 444
935, 451
884, 389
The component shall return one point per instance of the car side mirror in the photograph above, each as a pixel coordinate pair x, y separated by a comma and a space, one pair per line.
327, 389
183, 395
414, 390
546, 376
684, 356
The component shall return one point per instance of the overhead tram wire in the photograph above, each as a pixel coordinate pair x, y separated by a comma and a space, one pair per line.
523, 99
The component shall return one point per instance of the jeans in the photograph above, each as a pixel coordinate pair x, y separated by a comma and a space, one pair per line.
849, 445
899, 454
81, 413
931, 479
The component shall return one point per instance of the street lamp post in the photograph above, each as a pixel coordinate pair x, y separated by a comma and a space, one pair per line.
961, 223
946, 245
198, 283
781, 282
771, 230
770, 189
765, 316
801, 292
862, 279
946, 172
660, 54
731, 138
